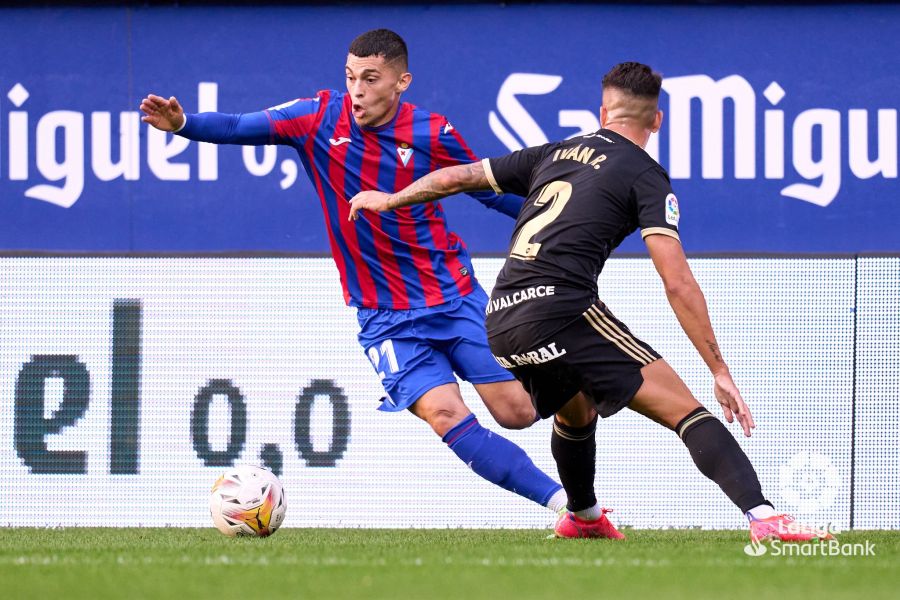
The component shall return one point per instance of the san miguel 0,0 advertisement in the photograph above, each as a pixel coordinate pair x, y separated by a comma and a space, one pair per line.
771, 148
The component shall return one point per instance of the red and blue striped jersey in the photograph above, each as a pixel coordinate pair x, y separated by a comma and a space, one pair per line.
401, 259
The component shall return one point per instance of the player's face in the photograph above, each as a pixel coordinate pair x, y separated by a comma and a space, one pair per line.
375, 87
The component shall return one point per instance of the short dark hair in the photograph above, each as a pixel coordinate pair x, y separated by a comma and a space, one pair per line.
381, 42
635, 78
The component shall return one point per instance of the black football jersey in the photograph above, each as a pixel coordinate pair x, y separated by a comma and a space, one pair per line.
584, 196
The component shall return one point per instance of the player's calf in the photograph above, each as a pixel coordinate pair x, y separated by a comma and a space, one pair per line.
503, 463
718, 456
665, 398
574, 448
491, 456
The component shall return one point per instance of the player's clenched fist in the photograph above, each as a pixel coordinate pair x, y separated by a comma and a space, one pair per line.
163, 114
369, 200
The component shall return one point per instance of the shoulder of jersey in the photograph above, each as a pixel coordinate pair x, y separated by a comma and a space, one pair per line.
424, 114
334, 97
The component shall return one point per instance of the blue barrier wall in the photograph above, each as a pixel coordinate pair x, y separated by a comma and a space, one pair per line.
781, 131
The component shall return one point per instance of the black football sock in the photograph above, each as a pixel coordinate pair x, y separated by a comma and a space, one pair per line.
718, 456
575, 452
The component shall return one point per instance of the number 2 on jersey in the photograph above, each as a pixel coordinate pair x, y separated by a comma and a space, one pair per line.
387, 350
557, 194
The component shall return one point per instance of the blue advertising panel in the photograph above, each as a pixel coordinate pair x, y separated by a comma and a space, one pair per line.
780, 131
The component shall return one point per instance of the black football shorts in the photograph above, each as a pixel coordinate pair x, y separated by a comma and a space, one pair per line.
594, 353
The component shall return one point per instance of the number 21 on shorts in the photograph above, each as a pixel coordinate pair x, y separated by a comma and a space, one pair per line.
387, 356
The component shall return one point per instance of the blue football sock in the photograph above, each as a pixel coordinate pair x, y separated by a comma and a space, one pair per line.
499, 461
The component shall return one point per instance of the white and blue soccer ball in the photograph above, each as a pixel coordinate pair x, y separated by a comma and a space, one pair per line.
247, 501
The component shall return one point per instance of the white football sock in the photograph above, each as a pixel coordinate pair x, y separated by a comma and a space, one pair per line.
763, 511
558, 501
589, 514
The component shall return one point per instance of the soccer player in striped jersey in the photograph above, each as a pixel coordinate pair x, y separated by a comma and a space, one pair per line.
419, 306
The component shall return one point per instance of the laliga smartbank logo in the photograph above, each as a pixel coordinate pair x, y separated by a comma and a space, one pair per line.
816, 163
810, 483
826, 548
791, 528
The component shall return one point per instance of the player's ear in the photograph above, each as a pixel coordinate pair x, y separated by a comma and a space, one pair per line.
403, 82
657, 121
604, 116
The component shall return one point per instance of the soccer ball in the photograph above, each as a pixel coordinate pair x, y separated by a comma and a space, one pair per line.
247, 501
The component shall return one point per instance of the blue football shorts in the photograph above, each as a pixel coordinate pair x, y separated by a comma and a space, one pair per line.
419, 349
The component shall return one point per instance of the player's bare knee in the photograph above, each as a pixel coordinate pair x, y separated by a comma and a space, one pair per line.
442, 411
516, 416
443, 419
441, 407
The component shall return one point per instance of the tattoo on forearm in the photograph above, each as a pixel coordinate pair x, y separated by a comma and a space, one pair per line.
714, 348
416, 192
442, 183
475, 177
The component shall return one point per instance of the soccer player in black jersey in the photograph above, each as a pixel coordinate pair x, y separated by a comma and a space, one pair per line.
547, 326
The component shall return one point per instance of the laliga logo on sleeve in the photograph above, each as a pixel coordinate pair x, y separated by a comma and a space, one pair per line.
672, 212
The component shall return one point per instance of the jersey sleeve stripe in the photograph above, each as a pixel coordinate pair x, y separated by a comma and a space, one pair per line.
659, 230
486, 163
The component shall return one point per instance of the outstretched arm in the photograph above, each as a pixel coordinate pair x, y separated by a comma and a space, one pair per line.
218, 128
687, 301
437, 184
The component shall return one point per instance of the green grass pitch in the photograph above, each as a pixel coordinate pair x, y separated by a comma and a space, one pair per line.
429, 563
